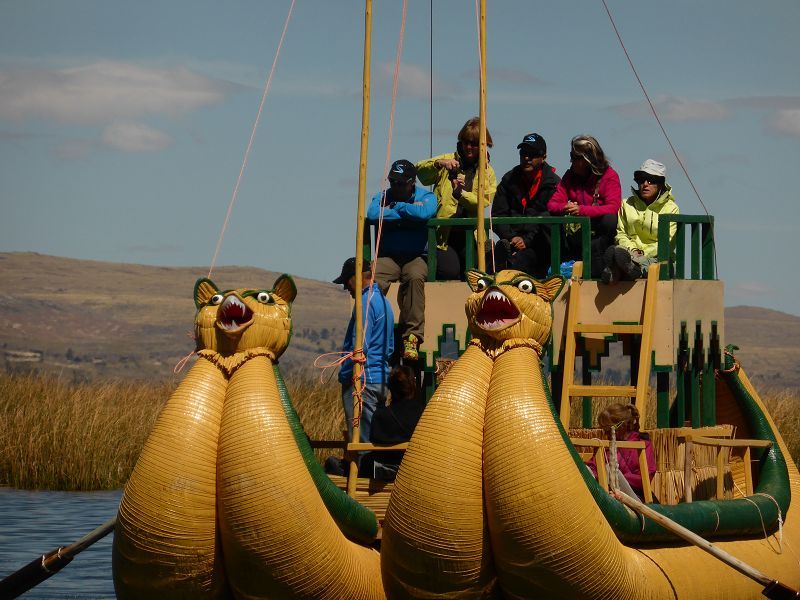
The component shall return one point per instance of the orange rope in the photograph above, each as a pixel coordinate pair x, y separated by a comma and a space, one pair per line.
250, 143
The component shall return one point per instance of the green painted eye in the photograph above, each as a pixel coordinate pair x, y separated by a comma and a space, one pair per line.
264, 297
526, 286
216, 299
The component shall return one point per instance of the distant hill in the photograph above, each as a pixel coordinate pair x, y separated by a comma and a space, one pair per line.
94, 320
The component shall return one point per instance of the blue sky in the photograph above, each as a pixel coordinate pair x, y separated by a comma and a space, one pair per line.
123, 124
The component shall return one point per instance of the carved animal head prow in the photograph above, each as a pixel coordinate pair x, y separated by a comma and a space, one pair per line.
511, 305
233, 321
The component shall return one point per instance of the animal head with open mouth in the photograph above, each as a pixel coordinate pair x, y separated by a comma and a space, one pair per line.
511, 305
232, 321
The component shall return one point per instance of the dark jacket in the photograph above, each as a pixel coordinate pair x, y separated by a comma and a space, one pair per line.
508, 202
395, 423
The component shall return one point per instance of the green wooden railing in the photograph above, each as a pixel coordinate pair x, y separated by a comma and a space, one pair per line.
701, 252
701, 248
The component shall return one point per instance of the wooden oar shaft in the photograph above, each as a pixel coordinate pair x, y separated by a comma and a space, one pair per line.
47, 565
702, 543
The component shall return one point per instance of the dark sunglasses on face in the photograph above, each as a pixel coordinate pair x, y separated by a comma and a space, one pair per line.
470, 143
399, 182
529, 153
654, 179
573, 156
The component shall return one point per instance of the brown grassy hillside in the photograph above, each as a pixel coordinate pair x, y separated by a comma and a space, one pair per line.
97, 320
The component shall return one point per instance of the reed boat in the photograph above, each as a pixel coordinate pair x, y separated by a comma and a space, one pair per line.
492, 498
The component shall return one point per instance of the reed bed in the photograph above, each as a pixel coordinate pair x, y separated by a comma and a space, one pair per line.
61, 435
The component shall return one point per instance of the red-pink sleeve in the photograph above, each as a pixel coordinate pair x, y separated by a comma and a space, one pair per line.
558, 201
610, 196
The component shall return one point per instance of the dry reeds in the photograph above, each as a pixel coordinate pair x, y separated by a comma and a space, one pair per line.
67, 436
61, 435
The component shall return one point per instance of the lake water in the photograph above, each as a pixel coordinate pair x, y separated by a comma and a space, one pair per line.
32, 523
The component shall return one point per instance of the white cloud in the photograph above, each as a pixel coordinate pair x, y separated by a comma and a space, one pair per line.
674, 108
135, 137
105, 91
786, 122
415, 82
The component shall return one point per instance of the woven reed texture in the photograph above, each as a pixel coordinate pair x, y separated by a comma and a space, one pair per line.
435, 542
277, 536
549, 538
165, 540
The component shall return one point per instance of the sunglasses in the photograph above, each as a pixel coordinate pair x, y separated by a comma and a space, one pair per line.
654, 179
399, 182
470, 143
529, 153
573, 156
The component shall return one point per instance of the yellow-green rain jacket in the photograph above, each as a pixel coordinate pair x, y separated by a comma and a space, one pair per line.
637, 222
429, 174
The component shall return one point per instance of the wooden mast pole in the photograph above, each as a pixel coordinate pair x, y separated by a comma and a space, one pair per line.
482, 157
362, 191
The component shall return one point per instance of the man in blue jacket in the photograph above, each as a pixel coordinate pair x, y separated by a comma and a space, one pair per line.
402, 253
378, 346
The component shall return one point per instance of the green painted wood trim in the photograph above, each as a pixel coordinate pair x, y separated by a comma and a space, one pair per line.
432, 254
662, 399
709, 270
695, 251
696, 378
354, 520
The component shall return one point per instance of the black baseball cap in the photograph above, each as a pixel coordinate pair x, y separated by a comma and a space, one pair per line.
534, 142
349, 269
403, 170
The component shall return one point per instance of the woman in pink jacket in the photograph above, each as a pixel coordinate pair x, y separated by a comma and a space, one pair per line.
589, 188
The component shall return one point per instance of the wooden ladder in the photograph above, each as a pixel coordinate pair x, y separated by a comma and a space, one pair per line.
573, 329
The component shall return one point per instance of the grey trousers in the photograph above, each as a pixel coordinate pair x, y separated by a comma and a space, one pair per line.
411, 272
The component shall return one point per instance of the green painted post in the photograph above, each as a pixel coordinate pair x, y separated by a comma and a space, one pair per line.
680, 252
555, 248
432, 255
708, 249
469, 252
662, 398
682, 377
697, 370
695, 251
586, 246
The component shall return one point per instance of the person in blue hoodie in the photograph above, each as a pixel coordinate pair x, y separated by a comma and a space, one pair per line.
378, 347
403, 249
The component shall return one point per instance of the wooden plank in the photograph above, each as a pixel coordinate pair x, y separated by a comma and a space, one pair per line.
597, 443
646, 342
605, 328
568, 368
600, 391
361, 446
731, 443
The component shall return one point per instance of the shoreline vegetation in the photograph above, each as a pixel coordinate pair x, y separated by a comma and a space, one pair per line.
61, 435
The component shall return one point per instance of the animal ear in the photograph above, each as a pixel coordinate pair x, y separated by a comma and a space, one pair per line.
204, 289
550, 287
285, 288
473, 276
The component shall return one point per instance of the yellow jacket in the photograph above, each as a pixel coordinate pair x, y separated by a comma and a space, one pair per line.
429, 174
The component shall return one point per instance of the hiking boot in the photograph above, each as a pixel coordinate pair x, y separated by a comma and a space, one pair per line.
629, 269
411, 347
607, 276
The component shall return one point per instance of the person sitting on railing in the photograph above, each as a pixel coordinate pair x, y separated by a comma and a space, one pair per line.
624, 420
589, 188
403, 248
524, 192
378, 346
454, 177
637, 225
393, 423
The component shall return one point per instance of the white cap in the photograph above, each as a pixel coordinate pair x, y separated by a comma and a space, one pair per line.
653, 167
